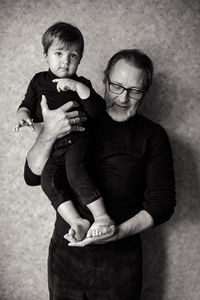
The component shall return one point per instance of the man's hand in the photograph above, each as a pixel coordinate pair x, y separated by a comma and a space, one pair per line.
57, 123
113, 235
60, 121
65, 84
138, 223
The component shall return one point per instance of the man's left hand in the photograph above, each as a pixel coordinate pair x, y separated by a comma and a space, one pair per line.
101, 239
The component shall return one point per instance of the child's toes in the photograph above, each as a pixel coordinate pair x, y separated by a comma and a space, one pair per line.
71, 232
70, 238
89, 233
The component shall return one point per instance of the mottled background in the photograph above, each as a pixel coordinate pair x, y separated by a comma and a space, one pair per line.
169, 32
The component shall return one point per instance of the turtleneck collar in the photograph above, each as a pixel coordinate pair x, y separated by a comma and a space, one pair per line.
53, 76
124, 123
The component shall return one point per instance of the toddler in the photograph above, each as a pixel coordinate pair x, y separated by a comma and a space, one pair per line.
63, 48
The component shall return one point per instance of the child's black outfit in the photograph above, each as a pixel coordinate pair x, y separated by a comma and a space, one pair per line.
71, 149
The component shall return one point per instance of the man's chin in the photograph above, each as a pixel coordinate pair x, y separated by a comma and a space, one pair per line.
120, 116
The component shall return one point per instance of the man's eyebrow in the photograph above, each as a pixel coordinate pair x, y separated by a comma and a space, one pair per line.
117, 83
132, 87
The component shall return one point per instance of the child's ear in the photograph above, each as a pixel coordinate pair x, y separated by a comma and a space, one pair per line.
79, 61
44, 57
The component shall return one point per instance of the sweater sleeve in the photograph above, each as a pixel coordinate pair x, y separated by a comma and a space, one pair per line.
94, 105
61, 180
30, 98
29, 177
160, 179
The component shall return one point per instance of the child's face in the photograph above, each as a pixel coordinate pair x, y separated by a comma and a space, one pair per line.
63, 60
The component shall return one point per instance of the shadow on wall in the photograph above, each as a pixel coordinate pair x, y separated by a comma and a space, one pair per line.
155, 263
156, 105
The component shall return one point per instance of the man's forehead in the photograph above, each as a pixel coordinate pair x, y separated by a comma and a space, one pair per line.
123, 71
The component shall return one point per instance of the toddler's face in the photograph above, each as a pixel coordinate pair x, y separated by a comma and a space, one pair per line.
63, 60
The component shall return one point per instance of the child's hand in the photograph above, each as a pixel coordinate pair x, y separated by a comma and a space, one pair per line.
65, 84
23, 123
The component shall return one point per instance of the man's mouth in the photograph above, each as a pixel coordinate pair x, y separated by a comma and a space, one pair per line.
124, 107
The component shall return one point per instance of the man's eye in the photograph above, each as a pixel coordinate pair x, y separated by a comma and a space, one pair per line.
116, 87
135, 92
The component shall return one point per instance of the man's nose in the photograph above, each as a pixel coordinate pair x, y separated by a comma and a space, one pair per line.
123, 98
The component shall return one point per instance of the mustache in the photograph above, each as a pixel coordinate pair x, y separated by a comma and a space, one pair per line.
111, 103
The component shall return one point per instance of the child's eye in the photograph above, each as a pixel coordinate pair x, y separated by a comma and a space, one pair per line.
74, 55
58, 53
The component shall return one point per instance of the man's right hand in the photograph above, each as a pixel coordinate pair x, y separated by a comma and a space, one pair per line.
60, 121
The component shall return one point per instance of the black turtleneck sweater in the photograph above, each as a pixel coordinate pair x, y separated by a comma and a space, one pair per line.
41, 84
133, 166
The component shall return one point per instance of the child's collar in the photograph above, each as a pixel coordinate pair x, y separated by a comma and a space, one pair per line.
53, 76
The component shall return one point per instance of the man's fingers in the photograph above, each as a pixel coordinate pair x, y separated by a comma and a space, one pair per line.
75, 114
83, 243
77, 128
44, 105
77, 120
86, 241
67, 106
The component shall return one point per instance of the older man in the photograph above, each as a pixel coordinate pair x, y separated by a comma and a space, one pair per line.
133, 167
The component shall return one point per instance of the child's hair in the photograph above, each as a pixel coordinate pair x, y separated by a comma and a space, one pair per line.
65, 33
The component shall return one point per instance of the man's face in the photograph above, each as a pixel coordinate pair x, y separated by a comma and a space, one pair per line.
63, 60
121, 107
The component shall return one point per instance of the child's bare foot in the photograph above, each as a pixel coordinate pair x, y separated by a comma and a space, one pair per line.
102, 225
78, 230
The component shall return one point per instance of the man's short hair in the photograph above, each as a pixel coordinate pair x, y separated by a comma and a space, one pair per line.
65, 33
135, 57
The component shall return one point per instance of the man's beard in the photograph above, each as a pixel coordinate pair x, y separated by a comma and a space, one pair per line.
117, 113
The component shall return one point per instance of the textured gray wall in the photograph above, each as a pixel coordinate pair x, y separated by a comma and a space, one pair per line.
169, 32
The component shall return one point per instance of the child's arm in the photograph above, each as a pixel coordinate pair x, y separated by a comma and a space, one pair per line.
23, 119
27, 108
93, 103
66, 84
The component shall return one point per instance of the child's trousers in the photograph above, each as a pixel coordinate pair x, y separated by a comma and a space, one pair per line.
71, 151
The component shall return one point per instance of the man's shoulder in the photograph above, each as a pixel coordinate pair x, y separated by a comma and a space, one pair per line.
150, 127
146, 122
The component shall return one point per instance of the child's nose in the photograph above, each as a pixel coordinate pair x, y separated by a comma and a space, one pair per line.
65, 59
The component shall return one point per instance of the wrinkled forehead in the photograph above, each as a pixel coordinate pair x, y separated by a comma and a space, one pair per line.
126, 74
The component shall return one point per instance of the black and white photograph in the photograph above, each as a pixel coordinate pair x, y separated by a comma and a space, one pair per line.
100, 150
